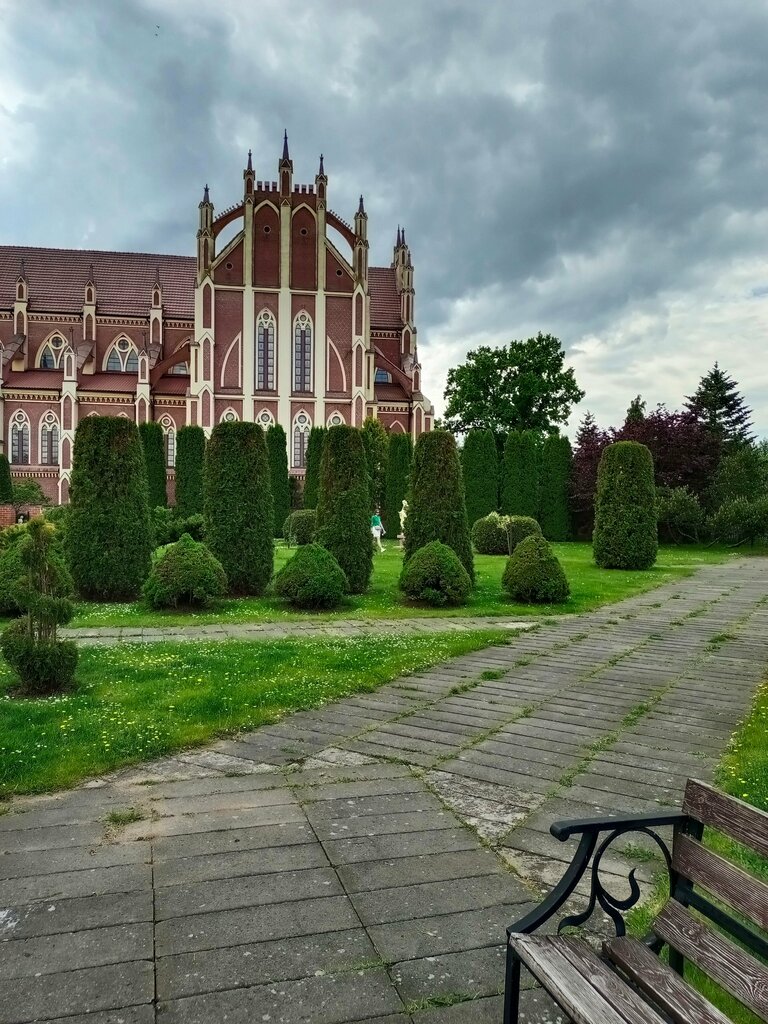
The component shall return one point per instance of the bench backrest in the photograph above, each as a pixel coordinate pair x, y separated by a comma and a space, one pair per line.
722, 930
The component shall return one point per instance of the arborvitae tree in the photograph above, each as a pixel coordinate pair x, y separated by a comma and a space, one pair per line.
626, 532
554, 495
6, 486
436, 508
190, 455
480, 468
312, 466
343, 505
376, 442
720, 407
278, 475
154, 457
521, 474
398, 476
239, 523
109, 534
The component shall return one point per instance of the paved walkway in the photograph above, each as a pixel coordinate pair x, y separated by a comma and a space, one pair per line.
360, 862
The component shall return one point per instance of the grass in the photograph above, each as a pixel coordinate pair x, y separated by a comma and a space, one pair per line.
591, 588
121, 818
136, 702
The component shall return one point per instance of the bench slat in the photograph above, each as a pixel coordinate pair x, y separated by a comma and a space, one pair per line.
741, 890
727, 964
608, 984
667, 989
747, 825
572, 987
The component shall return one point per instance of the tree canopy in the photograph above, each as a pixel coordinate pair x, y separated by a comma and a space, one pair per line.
719, 406
519, 386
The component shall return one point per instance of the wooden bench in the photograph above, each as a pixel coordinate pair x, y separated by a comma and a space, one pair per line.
716, 917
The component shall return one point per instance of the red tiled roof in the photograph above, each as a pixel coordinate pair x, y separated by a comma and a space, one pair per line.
385, 302
390, 393
121, 382
57, 279
172, 384
45, 380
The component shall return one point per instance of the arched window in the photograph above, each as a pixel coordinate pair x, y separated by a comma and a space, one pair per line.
301, 427
229, 416
49, 440
50, 356
265, 352
382, 376
169, 439
265, 419
19, 439
335, 420
132, 363
302, 353
123, 357
180, 369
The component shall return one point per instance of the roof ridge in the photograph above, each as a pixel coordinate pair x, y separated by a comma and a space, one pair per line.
95, 252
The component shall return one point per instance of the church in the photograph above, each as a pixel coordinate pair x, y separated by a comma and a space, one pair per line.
277, 319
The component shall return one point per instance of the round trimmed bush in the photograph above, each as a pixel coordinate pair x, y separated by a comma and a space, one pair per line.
534, 575
299, 528
44, 666
520, 527
434, 574
489, 535
185, 574
312, 579
626, 529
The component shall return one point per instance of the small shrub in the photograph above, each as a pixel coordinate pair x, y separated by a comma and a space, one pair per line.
185, 574
518, 528
434, 574
299, 528
43, 666
534, 575
312, 579
680, 515
489, 535
740, 521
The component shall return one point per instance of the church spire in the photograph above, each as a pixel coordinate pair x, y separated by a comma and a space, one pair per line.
286, 155
285, 170
322, 168
249, 165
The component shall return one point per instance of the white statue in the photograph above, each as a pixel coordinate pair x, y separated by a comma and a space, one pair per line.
403, 513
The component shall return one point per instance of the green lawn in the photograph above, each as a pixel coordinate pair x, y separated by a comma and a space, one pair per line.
138, 702
590, 588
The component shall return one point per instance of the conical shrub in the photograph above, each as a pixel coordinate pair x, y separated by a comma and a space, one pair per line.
343, 515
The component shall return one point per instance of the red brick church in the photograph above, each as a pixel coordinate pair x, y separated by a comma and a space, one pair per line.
279, 318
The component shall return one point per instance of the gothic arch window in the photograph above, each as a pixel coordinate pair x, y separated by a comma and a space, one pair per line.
50, 354
229, 416
169, 441
301, 427
335, 420
265, 419
302, 353
182, 369
265, 352
49, 439
19, 439
122, 357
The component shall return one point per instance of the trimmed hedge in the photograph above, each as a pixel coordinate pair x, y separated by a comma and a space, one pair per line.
190, 456
434, 574
480, 469
534, 575
300, 527
312, 579
521, 474
398, 475
109, 538
520, 527
343, 512
376, 444
554, 488
278, 475
185, 574
436, 509
239, 524
626, 531
489, 535
152, 442
6, 485
312, 466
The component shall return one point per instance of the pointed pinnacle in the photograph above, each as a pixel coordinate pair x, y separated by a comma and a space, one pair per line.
402, 239
361, 208
398, 243
22, 268
250, 162
206, 198
157, 277
285, 145
322, 169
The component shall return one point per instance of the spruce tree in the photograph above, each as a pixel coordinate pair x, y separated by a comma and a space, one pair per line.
278, 475
312, 466
436, 507
521, 474
154, 457
720, 407
398, 476
190, 456
480, 469
554, 494
109, 535
343, 505
376, 442
239, 523
626, 531
6, 486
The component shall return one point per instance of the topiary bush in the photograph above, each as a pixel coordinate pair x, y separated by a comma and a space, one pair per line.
554, 487
534, 575
300, 527
489, 535
109, 537
314, 454
343, 513
238, 512
190, 456
436, 509
185, 574
398, 475
480, 470
518, 528
152, 442
434, 574
312, 579
626, 531
679, 515
277, 448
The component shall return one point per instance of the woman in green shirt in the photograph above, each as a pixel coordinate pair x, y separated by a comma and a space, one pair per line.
377, 529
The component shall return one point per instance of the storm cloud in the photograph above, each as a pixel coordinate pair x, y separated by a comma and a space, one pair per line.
594, 170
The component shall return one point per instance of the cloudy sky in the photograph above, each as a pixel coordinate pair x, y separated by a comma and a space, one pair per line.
593, 169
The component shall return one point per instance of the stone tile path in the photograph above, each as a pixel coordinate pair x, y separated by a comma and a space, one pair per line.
360, 862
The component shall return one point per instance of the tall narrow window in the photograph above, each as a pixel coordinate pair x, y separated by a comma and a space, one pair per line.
49, 440
265, 353
302, 353
20, 440
170, 448
301, 427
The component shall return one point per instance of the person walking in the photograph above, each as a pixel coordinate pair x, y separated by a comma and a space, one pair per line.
377, 529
